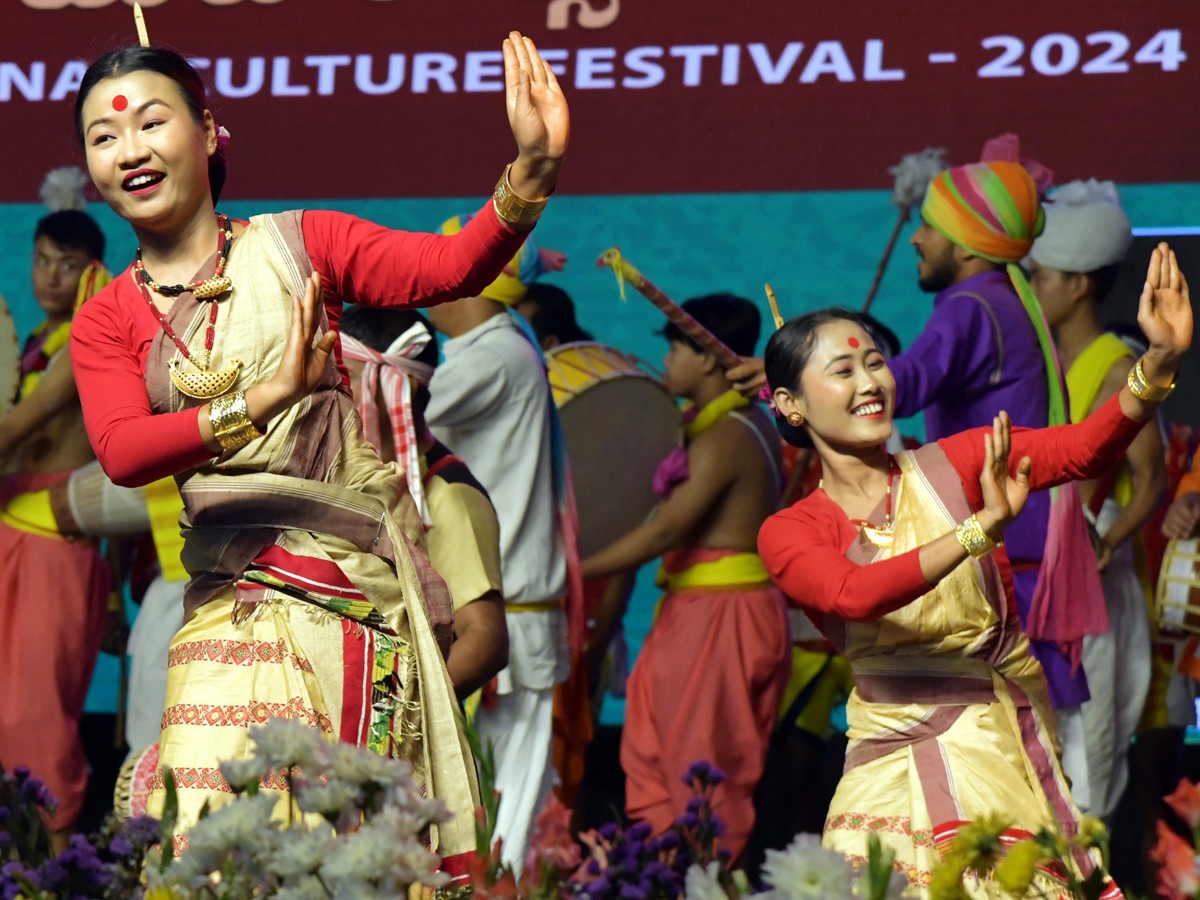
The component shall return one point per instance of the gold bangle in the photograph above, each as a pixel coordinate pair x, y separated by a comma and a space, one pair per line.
974, 539
230, 420
1143, 389
512, 207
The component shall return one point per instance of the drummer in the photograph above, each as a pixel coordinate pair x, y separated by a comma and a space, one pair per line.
490, 400
391, 346
550, 312
53, 592
708, 680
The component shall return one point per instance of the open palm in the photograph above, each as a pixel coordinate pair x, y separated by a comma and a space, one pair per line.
1165, 307
537, 108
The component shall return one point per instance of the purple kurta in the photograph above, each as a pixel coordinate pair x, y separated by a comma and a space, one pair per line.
978, 355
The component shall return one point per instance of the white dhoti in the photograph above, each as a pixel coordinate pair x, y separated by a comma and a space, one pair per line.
161, 615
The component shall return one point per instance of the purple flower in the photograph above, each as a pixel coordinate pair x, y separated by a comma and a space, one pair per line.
639, 831
120, 848
632, 892
609, 831
593, 867
21, 773
704, 773
718, 827
696, 804
668, 840
688, 821
142, 831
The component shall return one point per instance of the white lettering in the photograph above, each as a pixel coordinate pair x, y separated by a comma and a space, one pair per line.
434, 67
556, 60
326, 67
775, 72
649, 74
31, 86
68, 79
200, 62
592, 62
829, 58
693, 59
731, 63
484, 71
873, 67
280, 87
256, 69
363, 64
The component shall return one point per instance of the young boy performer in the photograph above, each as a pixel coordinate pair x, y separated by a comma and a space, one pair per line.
391, 355
52, 590
707, 683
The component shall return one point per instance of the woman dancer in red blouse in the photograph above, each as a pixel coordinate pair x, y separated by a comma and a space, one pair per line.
307, 599
898, 559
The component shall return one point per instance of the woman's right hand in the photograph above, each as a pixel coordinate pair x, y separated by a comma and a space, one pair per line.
1004, 494
1165, 316
303, 364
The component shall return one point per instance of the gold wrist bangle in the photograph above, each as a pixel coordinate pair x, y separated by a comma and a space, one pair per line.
1141, 388
512, 207
230, 420
973, 538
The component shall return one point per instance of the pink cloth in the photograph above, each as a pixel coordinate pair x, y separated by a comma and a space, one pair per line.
53, 596
706, 686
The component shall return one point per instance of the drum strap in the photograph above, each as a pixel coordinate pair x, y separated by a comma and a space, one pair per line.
762, 442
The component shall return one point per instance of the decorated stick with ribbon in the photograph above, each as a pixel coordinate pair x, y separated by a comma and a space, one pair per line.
672, 310
913, 175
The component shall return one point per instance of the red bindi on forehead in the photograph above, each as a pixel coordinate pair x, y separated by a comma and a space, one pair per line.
120, 103
853, 342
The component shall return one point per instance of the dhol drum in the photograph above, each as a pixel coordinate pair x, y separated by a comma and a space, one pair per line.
10, 360
104, 509
620, 423
1177, 599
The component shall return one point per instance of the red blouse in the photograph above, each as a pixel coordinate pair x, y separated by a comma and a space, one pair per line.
359, 262
804, 546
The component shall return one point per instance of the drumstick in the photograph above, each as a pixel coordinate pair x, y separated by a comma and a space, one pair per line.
774, 306
672, 310
139, 21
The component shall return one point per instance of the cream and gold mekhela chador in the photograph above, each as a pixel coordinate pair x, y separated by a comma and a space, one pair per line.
950, 718
311, 506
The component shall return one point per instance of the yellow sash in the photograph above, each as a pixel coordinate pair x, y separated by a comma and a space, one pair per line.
32, 513
1084, 380
737, 570
165, 506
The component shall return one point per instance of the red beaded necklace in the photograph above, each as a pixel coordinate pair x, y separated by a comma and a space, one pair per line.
202, 384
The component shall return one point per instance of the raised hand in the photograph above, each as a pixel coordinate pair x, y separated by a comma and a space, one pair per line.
303, 364
1165, 315
1004, 494
538, 116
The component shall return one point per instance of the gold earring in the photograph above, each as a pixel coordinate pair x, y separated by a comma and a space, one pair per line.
795, 420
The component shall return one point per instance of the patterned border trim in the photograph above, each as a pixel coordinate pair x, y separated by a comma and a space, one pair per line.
243, 715
235, 653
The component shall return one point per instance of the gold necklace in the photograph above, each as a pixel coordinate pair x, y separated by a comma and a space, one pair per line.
880, 536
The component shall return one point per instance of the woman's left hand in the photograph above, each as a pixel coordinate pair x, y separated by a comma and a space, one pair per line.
538, 115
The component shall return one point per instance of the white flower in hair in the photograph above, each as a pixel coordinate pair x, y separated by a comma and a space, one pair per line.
63, 189
913, 174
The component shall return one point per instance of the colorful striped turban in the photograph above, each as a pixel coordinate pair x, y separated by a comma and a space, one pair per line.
989, 209
523, 270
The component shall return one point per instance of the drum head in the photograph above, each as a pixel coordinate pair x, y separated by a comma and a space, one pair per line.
617, 432
10, 360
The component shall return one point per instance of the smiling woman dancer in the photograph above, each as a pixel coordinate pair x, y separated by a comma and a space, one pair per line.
306, 599
893, 559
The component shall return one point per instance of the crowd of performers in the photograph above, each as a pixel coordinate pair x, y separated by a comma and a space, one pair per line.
377, 537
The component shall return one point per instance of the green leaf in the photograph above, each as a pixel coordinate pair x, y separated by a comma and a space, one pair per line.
170, 817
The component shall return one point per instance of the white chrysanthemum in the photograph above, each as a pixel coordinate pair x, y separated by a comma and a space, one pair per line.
283, 743
243, 825
244, 773
330, 799
63, 189
808, 871
702, 884
309, 888
358, 765
296, 853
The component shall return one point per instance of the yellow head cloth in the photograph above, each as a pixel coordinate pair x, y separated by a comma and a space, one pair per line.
989, 209
522, 270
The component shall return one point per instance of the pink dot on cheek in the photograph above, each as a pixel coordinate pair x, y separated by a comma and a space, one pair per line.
120, 102
853, 342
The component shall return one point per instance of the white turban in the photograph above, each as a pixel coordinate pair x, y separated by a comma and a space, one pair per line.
1086, 229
